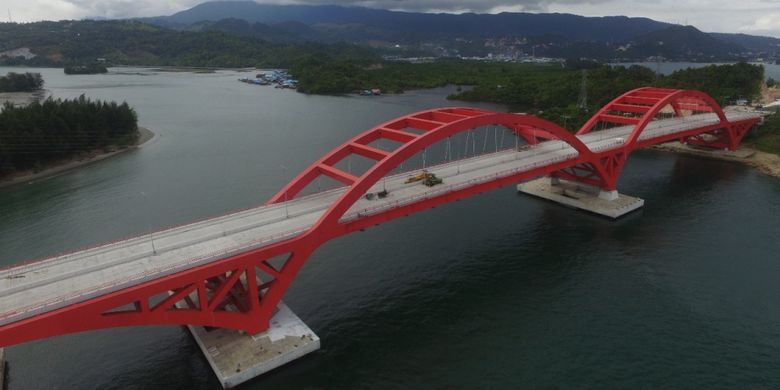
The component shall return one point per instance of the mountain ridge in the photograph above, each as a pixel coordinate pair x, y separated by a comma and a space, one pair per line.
467, 34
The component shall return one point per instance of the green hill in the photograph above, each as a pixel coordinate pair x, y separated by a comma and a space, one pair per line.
136, 43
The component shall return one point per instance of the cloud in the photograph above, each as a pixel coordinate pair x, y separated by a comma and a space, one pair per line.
29, 10
769, 23
446, 5
750, 16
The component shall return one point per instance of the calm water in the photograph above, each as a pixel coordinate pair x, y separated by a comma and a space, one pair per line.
497, 291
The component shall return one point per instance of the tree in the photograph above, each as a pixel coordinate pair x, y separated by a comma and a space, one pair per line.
43, 132
18, 82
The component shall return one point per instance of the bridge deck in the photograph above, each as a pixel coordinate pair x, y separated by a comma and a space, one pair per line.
59, 281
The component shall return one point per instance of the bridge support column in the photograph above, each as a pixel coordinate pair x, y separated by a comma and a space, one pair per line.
237, 357
580, 196
609, 195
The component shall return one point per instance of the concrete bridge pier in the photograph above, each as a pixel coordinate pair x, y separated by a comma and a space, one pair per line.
237, 357
581, 196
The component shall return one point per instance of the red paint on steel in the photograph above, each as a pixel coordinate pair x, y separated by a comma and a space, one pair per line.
641, 106
242, 291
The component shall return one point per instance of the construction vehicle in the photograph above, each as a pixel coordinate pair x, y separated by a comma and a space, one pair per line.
421, 176
431, 180
427, 178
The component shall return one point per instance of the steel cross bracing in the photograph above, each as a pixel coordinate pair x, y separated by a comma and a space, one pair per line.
232, 271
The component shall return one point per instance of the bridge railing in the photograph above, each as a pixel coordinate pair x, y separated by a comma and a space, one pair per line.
29, 265
138, 278
439, 190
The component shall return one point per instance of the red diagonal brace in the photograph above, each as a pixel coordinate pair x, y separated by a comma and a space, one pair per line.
224, 289
173, 298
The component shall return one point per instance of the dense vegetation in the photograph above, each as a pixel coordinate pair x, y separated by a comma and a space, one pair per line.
767, 136
41, 133
92, 68
319, 74
135, 43
724, 83
552, 89
21, 82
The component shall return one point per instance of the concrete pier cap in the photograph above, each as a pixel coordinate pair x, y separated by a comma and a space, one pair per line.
580, 196
237, 357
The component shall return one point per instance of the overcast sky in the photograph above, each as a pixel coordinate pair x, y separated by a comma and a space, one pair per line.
761, 17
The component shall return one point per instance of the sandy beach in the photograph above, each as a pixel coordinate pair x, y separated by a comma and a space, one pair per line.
145, 135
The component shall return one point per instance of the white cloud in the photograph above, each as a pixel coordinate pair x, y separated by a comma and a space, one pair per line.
706, 15
765, 24
36, 10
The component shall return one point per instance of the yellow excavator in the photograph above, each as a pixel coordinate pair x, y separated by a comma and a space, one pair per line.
427, 178
421, 176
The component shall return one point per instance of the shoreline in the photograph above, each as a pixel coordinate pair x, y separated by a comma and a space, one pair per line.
24, 98
766, 163
54, 169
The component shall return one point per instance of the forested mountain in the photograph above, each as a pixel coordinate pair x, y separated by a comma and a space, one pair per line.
683, 43
751, 42
469, 34
370, 23
135, 43
244, 34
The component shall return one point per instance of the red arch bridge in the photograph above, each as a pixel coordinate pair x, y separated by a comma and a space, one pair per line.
232, 271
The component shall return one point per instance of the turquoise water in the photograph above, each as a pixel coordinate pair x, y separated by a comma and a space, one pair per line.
496, 291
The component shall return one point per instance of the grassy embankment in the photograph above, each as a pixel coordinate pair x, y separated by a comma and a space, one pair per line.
766, 137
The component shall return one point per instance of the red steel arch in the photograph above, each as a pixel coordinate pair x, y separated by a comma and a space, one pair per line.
437, 125
639, 107
242, 290
649, 102
226, 293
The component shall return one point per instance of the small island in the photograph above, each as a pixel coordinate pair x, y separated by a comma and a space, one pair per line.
44, 138
21, 88
93, 68
21, 82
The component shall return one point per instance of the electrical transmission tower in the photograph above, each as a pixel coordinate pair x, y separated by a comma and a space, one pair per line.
582, 101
